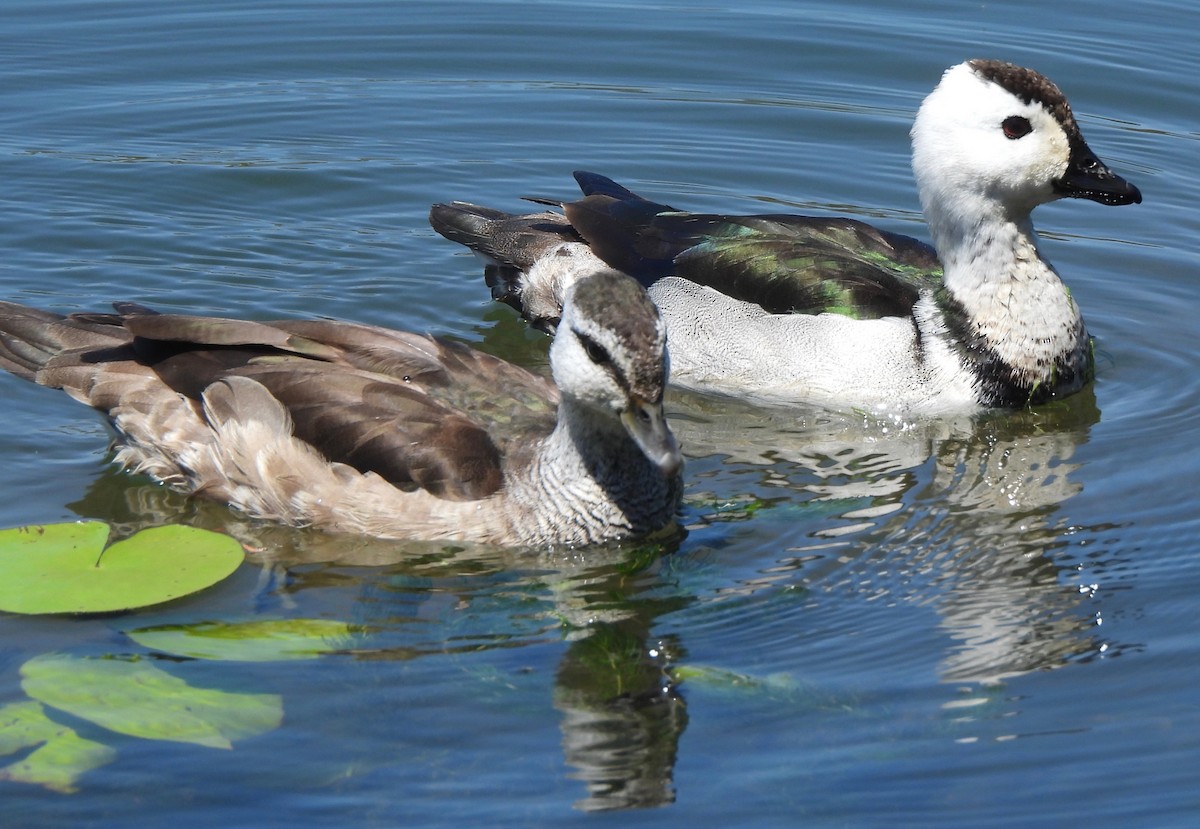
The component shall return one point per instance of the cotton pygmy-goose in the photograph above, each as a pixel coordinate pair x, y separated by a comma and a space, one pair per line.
358, 429
834, 311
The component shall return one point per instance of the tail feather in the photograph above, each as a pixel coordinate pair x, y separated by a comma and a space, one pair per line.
465, 223
511, 245
508, 239
594, 184
30, 338
20, 358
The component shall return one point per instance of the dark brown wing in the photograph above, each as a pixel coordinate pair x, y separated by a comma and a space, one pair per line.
376, 423
419, 411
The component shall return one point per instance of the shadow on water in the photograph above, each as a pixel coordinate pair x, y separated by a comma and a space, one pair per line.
963, 516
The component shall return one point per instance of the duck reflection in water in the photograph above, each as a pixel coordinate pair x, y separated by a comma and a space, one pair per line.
962, 516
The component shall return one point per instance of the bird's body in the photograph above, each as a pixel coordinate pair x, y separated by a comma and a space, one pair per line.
359, 429
834, 311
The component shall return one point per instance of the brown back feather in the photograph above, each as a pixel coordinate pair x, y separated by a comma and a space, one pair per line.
418, 411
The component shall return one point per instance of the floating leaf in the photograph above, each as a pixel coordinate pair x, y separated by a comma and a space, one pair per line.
138, 699
259, 641
62, 756
65, 568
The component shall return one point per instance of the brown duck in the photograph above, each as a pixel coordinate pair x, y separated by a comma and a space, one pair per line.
359, 429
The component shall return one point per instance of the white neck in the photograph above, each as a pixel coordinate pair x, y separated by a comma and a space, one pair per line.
1013, 298
991, 260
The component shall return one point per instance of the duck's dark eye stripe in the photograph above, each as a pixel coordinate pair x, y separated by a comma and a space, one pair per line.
599, 355
1016, 126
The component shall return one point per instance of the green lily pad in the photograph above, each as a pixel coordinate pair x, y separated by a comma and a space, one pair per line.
268, 640
65, 568
136, 698
62, 755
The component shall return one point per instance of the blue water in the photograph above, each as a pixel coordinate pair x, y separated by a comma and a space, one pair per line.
980, 623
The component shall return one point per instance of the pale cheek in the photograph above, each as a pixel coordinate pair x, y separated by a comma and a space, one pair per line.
1058, 154
1049, 171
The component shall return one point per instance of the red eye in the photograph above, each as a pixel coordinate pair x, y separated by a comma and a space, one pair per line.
1015, 127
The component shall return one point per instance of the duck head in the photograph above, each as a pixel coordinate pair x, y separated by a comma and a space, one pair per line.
610, 356
996, 137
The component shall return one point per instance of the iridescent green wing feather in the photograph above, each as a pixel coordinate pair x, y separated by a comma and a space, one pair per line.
794, 264
785, 263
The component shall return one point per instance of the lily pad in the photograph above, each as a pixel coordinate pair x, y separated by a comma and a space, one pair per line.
65, 568
62, 756
267, 640
136, 698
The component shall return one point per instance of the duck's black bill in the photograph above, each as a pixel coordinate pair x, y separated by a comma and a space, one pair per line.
1088, 177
